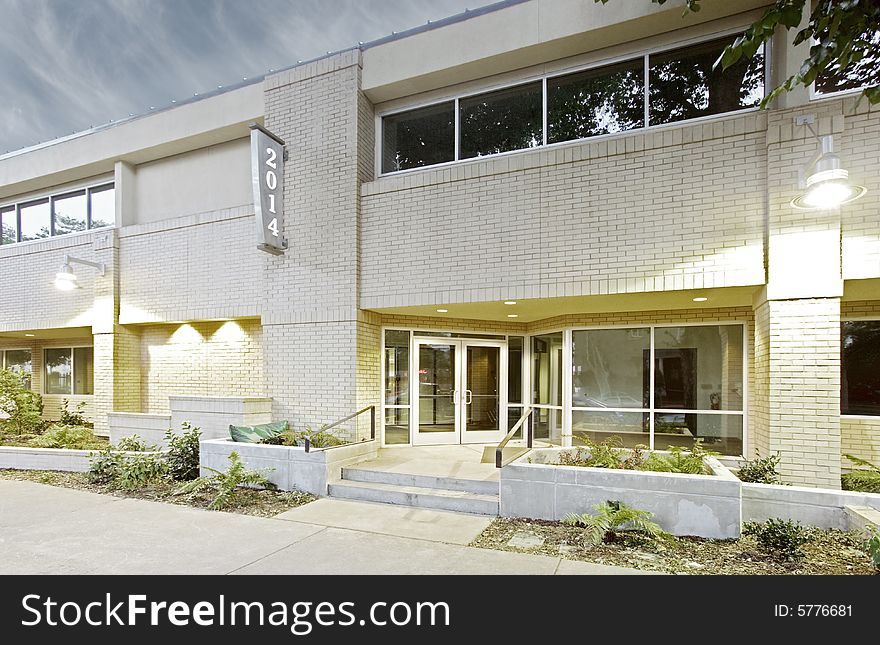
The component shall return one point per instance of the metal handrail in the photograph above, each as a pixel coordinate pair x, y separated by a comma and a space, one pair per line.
530, 433
372, 408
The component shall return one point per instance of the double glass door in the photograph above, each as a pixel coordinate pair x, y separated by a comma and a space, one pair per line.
459, 392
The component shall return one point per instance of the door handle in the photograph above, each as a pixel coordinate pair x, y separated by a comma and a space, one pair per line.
470, 397
455, 397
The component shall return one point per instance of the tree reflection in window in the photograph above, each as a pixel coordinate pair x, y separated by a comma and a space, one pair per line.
861, 73
684, 84
418, 138
596, 101
509, 119
860, 373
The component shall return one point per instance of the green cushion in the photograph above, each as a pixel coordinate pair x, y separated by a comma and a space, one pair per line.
256, 434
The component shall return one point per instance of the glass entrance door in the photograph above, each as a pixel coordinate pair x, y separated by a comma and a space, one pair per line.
459, 393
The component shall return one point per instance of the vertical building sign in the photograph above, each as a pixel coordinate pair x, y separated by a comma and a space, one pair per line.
267, 176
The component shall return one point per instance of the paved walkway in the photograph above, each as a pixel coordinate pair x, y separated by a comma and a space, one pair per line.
44, 529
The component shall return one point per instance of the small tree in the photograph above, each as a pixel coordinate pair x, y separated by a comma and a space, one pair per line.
23, 408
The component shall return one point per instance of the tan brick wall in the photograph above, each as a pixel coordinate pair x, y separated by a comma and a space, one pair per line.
677, 208
202, 266
200, 358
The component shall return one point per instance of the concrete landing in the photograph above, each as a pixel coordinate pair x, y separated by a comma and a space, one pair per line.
456, 462
387, 519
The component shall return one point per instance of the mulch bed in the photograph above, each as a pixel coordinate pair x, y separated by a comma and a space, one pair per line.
248, 501
828, 552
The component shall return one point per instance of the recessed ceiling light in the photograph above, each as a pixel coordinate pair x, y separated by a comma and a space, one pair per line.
700, 299
442, 311
30, 335
510, 302
513, 315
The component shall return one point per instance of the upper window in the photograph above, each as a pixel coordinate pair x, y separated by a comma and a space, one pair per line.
859, 376
681, 84
18, 361
685, 85
59, 214
509, 119
596, 101
861, 74
417, 138
69, 370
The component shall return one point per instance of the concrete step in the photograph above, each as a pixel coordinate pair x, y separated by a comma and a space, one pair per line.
476, 486
422, 497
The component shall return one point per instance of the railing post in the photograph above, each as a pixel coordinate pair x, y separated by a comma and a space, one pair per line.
372, 422
530, 430
307, 443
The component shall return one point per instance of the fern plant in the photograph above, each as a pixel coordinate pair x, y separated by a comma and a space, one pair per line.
224, 485
863, 480
873, 545
614, 520
680, 460
761, 470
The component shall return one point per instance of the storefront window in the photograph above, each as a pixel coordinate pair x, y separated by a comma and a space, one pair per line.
396, 394
19, 361
860, 376
547, 365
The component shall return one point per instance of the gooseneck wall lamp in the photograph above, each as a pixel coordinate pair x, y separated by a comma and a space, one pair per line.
824, 183
66, 280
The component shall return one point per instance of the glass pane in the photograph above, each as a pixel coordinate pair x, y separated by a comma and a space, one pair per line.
396, 367
436, 388
630, 427
720, 432
70, 213
19, 361
418, 138
548, 425
83, 370
860, 74
860, 376
513, 415
396, 425
482, 398
698, 368
8, 226
103, 206
684, 84
547, 369
515, 345
35, 221
609, 368
510, 119
58, 376
596, 101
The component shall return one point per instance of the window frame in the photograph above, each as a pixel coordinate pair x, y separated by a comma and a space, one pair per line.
532, 77
43, 377
875, 318
49, 198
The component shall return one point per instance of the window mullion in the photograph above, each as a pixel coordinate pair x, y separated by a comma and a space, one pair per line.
544, 108
647, 102
651, 391
457, 131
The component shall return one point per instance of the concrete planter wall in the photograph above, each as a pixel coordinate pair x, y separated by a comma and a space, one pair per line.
214, 414
150, 427
821, 507
73, 461
293, 468
702, 505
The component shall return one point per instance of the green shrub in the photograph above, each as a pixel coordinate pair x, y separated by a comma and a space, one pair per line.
128, 471
75, 418
863, 480
23, 407
137, 470
605, 454
616, 520
761, 470
680, 460
73, 437
183, 453
134, 443
873, 546
224, 485
317, 439
104, 466
781, 539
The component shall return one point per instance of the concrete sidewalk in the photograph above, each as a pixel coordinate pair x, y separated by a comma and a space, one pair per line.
44, 529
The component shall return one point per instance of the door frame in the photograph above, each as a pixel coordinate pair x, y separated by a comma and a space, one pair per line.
460, 435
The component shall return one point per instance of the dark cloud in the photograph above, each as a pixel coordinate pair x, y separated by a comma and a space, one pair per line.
66, 65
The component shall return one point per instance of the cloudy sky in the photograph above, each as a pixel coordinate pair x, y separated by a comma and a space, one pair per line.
66, 65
